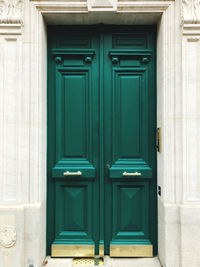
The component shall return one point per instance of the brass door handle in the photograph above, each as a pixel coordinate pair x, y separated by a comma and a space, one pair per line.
72, 173
132, 174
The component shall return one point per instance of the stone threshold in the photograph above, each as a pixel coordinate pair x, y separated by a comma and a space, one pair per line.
108, 262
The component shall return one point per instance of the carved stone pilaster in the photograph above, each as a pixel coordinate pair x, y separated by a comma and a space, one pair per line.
191, 11
11, 11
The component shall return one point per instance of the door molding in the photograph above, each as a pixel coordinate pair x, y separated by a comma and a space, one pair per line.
164, 13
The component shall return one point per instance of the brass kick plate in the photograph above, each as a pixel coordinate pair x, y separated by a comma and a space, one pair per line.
101, 251
131, 251
88, 262
72, 250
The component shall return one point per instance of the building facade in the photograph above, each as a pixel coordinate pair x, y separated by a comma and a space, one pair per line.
23, 120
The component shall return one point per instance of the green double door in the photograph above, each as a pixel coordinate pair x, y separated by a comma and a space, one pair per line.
101, 141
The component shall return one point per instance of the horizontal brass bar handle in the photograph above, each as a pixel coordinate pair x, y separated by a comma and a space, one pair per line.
132, 174
72, 173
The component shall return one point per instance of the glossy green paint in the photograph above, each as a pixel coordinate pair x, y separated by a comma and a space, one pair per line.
102, 122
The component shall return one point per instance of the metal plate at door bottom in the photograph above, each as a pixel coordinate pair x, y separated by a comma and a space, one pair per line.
101, 251
72, 250
131, 251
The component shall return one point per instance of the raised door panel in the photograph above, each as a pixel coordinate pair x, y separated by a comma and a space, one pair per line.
130, 212
73, 212
130, 123
74, 139
129, 41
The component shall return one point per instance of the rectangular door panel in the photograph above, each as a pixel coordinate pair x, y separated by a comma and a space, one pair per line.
130, 123
73, 123
129, 41
130, 212
73, 212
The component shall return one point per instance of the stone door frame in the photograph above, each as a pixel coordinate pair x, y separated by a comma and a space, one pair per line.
23, 29
166, 84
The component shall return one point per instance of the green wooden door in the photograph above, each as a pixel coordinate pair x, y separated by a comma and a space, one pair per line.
101, 141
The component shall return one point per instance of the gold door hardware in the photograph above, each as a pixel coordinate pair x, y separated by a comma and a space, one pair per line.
58, 250
72, 173
132, 174
158, 145
101, 250
131, 251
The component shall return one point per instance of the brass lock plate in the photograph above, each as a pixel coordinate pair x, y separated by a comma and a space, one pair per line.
158, 145
87, 262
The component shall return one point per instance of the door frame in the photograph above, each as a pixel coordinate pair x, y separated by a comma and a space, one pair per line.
168, 33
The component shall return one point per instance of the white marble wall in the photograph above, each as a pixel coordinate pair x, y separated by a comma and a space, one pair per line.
190, 208
22, 137
168, 118
10, 122
23, 120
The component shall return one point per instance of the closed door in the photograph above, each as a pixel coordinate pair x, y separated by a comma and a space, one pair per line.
101, 141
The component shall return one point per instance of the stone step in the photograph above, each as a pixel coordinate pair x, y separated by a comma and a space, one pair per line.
108, 262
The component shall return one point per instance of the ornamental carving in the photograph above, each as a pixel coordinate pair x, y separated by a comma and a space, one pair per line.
191, 11
98, 5
11, 11
8, 236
